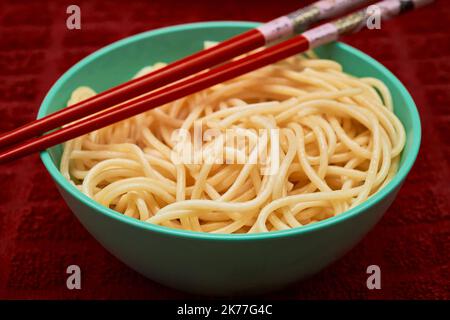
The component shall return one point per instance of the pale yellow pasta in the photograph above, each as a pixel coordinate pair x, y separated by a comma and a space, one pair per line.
330, 140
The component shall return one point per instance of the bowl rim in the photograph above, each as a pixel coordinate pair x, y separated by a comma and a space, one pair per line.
166, 231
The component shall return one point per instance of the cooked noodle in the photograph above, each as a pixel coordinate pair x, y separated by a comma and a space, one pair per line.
324, 142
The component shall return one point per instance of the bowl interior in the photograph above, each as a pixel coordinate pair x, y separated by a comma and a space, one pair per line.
118, 63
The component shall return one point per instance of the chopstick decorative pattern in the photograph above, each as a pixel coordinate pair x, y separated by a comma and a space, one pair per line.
354, 22
298, 21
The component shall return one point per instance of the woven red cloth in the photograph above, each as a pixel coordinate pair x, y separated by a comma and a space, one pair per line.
39, 236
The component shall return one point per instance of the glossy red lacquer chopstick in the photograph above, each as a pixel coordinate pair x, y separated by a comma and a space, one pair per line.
159, 97
320, 35
281, 27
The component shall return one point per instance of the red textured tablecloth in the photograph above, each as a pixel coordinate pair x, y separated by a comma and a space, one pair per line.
39, 236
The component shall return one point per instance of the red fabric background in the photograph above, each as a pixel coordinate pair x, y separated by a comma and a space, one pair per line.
39, 236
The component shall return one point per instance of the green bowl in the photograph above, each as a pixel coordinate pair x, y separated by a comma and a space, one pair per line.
213, 263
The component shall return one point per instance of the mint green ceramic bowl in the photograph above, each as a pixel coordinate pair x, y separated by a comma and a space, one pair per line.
220, 264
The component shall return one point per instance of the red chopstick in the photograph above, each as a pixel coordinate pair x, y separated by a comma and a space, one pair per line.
192, 64
281, 27
162, 96
320, 35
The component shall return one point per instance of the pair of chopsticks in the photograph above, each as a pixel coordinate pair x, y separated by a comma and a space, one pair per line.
168, 83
